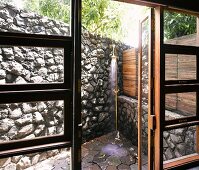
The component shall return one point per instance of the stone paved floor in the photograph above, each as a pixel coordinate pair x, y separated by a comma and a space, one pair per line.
106, 153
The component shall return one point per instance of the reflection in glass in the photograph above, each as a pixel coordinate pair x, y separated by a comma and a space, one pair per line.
48, 17
145, 58
22, 65
144, 81
30, 120
180, 105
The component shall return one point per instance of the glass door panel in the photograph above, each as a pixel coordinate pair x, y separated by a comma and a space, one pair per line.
176, 91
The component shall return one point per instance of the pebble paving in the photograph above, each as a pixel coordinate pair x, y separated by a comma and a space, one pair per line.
103, 153
108, 153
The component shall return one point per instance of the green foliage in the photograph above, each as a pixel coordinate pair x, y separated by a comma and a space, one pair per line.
178, 24
55, 9
101, 17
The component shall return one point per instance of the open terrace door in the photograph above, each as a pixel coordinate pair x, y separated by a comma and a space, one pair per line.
145, 81
59, 90
173, 83
176, 89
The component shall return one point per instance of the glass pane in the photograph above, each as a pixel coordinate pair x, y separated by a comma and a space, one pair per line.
48, 17
180, 67
31, 120
180, 105
57, 159
145, 49
179, 142
22, 65
180, 29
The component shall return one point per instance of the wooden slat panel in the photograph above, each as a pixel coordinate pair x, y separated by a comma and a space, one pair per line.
130, 72
129, 77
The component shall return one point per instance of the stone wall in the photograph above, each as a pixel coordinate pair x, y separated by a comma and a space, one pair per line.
21, 21
23, 65
176, 143
128, 120
26, 162
31, 120
97, 117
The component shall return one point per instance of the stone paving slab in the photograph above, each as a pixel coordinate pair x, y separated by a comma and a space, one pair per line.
107, 153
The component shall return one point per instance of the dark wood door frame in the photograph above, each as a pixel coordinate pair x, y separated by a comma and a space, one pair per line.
77, 126
162, 88
181, 4
69, 91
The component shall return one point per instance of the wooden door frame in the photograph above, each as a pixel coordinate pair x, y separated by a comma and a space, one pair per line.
69, 91
177, 4
150, 18
162, 88
77, 126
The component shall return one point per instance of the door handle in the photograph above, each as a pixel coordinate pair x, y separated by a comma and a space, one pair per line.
80, 125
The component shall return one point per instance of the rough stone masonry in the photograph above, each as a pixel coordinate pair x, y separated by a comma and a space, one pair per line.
24, 65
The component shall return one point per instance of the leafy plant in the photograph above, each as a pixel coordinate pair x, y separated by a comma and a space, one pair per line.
101, 17
55, 9
178, 24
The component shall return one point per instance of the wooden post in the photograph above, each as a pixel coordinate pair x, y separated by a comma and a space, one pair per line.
197, 31
197, 93
159, 97
151, 117
140, 100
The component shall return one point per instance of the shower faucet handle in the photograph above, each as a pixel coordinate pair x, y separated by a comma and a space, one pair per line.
116, 91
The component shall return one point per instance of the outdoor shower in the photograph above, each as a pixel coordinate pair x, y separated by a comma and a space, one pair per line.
115, 90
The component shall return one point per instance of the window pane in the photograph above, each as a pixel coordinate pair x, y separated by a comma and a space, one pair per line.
180, 67
179, 142
56, 159
48, 17
145, 59
31, 120
180, 105
180, 29
22, 65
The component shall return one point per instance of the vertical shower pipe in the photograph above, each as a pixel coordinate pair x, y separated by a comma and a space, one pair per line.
116, 90
140, 99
